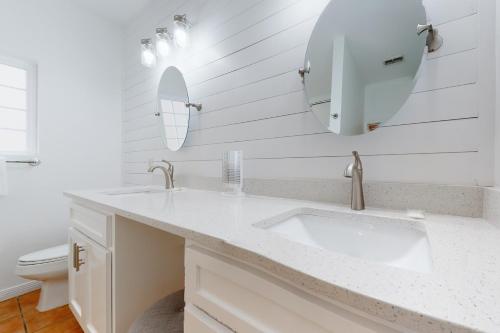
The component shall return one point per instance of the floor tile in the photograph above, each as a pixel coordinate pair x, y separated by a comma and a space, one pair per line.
9, 309
12, 325
69, 325
30, 320
36, 320
29, 301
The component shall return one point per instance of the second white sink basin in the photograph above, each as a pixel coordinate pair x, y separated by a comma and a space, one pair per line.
140, 190
395, 242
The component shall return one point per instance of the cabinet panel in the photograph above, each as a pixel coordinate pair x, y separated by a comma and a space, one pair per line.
248, 300
89, 274
99, 275
197, 321
93, 224
77, 280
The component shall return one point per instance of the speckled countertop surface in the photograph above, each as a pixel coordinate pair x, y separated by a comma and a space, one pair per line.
461, 294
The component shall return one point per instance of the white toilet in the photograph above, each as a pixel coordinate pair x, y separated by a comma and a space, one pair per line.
50, 266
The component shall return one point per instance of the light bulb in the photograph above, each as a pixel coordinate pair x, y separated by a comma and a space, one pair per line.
163, 38
148, 58
181, 37
181, 33
162, 47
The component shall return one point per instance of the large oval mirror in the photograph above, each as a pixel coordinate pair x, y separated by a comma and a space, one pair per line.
173, 108
362, 61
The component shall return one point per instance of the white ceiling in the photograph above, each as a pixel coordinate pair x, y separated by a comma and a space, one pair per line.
118, 11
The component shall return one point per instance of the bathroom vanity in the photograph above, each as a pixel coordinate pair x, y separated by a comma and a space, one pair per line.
262, 264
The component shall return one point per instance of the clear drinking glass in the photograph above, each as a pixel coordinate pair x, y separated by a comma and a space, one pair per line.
232, 172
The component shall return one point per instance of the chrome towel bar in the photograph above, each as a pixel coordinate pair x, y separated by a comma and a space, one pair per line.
33, 162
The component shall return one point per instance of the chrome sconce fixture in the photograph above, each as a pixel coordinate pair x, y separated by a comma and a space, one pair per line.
198, 107
305, 70
181, 30
163, 41
434, 41
148, 57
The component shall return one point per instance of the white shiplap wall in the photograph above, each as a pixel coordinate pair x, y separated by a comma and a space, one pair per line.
242, 66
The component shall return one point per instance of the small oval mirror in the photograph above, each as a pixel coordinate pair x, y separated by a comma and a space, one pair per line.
362, 61
173, 108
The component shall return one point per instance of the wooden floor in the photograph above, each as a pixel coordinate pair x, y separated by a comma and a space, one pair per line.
19, 315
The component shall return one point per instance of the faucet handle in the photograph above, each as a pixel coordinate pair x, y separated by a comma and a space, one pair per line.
170, 166
348, 170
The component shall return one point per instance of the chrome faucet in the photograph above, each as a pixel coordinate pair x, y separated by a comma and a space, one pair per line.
354, 171
168, 172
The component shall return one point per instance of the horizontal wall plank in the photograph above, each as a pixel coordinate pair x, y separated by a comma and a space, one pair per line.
442, 72
435, 168
442, 11
451, 136
450, 103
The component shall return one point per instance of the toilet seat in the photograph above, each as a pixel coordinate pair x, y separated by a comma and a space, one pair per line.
43, 271
46, 264
53, 254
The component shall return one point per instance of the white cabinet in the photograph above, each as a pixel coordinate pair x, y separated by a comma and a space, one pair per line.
197, 321
77, 279
249, 300
118, 268
89, 283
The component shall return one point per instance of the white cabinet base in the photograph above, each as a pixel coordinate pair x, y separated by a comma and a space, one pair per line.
197, 321
90, 284
249, 300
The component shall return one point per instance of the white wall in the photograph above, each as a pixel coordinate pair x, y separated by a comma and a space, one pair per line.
497, 93
79, 113
243, 68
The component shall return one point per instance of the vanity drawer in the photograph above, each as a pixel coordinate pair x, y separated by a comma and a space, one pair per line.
198, 321
94, 224
249, 300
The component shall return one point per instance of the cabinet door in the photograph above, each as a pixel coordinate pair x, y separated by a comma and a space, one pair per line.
246, 299
99, 292
198, 321
90, 283
78, 277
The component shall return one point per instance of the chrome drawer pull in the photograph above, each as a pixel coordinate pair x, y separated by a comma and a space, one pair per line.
77, 262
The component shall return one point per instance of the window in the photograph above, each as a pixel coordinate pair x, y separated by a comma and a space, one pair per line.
17, 107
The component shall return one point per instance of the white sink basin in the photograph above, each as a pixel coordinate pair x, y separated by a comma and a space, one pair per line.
390, 241
140, 190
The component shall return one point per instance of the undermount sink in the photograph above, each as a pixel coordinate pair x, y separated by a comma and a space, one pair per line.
390, 241
140, 190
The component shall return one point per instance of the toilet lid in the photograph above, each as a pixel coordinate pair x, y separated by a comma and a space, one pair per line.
56, 253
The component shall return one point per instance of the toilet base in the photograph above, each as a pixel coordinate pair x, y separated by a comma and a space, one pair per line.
54, 293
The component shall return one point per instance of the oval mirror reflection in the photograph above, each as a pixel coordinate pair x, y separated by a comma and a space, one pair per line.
362, 61
172, 108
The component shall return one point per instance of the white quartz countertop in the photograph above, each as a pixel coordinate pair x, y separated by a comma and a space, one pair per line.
461, 294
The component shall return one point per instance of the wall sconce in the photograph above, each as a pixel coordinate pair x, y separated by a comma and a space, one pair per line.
181, 32
163, 38
148, 57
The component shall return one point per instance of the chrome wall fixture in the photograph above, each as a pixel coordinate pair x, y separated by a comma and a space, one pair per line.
164, 41
33, 162
198, 107
434, 40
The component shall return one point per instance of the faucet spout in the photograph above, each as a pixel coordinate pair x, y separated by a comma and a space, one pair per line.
167, 172
354, 171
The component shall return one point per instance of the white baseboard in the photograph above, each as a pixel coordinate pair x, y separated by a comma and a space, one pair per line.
20, 289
